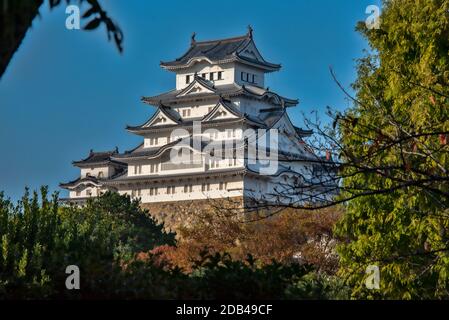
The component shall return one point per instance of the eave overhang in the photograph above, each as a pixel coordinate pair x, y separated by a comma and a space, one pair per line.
173, 98
175, 177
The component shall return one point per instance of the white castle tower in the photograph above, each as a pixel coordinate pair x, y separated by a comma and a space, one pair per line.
220, 87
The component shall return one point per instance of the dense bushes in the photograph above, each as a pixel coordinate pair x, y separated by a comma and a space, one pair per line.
109, 240
290, 236
39, 239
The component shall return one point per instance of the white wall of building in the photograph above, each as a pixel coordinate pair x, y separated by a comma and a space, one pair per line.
259, 75
97, 172
230, 187
180, 187
205, 67
84, 191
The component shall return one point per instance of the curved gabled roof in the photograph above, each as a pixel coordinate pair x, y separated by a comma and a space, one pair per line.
206, 120
166, 111
197, 80
303, 132
90, 180
139, 152
81, 181
226, 91
181, 143
225, 104
145, 178
221, 51
97, 158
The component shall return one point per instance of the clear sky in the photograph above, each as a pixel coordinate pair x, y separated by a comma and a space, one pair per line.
67, 91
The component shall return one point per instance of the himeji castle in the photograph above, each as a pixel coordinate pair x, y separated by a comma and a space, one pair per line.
205, 138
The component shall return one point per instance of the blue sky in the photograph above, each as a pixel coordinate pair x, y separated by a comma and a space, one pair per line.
67, 91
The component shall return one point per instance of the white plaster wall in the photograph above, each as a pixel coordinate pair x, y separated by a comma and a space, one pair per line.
198, 109
260, 75
205, 67
83, 192
253, 107
167, 137
234, 189
162, 139
206, 166
94, 171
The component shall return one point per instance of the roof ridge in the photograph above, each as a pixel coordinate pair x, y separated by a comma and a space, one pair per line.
93, 153
97, 152
231, 39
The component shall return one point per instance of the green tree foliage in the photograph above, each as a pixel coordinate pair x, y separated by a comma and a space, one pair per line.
397, 132
39, 240
108, 239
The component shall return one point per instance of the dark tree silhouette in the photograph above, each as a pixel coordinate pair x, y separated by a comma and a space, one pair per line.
16, 17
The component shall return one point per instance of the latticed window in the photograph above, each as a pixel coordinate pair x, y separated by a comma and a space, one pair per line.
186, 113
138, 169
154, 191
154, 168
170, 189
205, 187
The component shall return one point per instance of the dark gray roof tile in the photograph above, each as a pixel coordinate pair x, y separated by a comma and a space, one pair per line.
97, 158
220, 50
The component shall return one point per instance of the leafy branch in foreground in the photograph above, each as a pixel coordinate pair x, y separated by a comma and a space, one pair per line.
387, 158
17, 17
108, 239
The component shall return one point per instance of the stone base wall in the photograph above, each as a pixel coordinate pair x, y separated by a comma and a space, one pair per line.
180, 213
